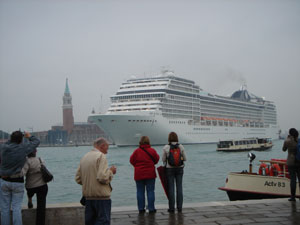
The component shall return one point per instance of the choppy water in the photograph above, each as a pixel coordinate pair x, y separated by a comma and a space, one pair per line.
205, 171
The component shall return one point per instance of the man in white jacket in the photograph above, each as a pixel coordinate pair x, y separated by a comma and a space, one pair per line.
95, 177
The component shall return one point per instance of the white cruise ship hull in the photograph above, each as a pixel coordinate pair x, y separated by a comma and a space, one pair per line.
126, 129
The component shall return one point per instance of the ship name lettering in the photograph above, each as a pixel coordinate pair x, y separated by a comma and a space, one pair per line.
275, 184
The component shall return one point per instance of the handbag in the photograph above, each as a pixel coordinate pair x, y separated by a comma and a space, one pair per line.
46, 174
82, 201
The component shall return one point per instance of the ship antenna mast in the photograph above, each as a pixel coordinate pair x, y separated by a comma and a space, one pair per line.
244, 87
100, 108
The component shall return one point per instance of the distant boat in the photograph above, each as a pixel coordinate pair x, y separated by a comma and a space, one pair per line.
247, 144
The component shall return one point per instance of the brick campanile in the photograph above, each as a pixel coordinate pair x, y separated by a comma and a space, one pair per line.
68, 119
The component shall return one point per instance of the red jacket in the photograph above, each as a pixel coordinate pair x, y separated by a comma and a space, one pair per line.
143, 165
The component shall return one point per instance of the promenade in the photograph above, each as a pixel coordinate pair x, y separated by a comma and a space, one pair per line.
267, 212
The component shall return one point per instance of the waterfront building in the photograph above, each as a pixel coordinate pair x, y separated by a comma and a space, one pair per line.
3, 137
70, 133
83, 133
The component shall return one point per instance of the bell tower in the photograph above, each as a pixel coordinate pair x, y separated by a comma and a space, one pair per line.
68, 119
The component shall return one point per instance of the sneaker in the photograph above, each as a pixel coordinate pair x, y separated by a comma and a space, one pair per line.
152, 211
142, 211
292, 199
179, 210
171, 210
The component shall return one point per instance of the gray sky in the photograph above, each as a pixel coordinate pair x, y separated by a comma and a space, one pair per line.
99, 44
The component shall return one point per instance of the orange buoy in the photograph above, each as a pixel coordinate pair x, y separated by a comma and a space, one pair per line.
263, 167
275, 170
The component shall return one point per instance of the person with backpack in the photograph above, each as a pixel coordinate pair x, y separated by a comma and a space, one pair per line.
173, 157
293, 164
144, 159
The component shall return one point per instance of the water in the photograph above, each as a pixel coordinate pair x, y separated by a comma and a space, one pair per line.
205, 171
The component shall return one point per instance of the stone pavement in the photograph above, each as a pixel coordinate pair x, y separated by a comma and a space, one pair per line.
267, 212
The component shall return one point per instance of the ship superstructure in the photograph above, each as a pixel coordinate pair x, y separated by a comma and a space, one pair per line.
154, 106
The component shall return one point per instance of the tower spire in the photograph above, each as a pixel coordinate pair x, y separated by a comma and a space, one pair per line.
67, 90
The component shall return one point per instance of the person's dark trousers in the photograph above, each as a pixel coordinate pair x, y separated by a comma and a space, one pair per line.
175, 175
41, 194
97, 212
149, 184
294, 173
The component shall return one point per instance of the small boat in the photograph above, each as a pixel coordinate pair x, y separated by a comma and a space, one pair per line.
247, 144
271, 181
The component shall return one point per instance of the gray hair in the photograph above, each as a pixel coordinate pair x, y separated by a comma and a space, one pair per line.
100, 141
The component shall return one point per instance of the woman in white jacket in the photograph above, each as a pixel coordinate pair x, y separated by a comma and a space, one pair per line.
174, 170
35, 185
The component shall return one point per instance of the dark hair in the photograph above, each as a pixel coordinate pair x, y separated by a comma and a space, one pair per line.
172, 137
16, 137
294, 133
32, 154
145, 140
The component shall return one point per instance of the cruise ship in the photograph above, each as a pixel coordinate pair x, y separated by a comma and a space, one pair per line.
155, 106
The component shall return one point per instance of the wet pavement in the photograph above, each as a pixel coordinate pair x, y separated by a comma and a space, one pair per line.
268, 212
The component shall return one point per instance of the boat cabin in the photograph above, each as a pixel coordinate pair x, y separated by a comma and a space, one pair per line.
246, 144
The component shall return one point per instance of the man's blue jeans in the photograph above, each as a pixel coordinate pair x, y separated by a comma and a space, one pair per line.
97, 212
1, 198
175, 174
12, 194
149, 184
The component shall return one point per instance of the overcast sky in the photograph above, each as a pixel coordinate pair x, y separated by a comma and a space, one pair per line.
99, 44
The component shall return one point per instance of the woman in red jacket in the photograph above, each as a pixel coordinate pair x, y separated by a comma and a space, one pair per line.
143, 159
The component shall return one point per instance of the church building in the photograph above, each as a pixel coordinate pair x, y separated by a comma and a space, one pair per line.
70, 132
68, 118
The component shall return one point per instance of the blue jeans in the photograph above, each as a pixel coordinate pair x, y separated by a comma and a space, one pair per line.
294, 172
97, 212
1, 198
12, 194
175, 174
149, 184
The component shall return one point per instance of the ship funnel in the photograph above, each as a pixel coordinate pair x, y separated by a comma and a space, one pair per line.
167, 72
